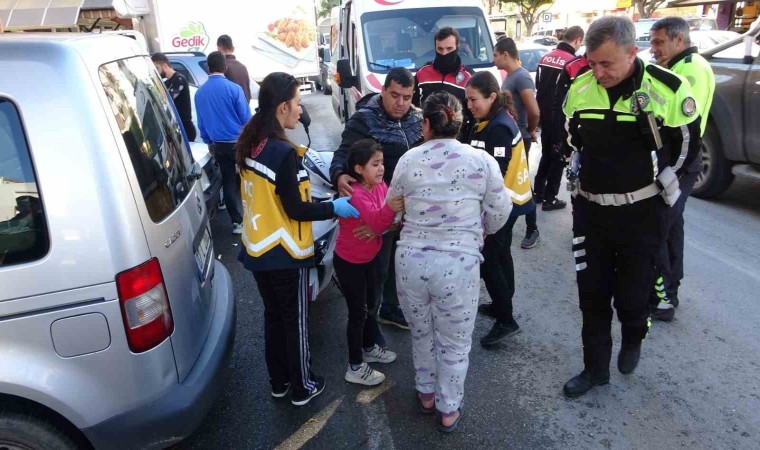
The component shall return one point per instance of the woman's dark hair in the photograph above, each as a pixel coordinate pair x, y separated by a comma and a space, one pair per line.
486, 84
276, 88
444, 111
360, 153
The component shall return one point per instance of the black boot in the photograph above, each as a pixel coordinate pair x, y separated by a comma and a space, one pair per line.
499, 332
586, 380
628, 358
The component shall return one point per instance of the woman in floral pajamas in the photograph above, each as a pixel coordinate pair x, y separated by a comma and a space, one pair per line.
453, 194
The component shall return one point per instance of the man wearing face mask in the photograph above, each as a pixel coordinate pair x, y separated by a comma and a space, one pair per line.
445, 73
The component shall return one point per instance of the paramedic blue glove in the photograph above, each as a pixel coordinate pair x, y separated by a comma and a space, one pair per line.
344, 209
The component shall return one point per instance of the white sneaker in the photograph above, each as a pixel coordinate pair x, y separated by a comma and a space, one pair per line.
237, 228
365, 375
379, 354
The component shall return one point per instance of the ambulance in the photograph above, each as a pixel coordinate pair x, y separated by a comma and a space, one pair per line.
377, 35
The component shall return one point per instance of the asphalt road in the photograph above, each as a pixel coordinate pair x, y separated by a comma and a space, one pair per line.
697, 386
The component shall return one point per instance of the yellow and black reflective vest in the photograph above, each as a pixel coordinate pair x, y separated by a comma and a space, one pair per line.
616, 156
510, 154
271, 239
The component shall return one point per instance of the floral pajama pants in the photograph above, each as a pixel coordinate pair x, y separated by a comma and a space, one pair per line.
438, 292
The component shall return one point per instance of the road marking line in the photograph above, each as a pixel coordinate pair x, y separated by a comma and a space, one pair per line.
368, 396
376, 417
311, 428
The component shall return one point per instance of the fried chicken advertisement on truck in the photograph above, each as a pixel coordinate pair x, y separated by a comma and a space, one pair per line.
281, 37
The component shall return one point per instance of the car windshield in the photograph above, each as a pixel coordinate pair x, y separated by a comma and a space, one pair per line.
404, 38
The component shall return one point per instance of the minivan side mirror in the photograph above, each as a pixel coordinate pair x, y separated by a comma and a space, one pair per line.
347, 78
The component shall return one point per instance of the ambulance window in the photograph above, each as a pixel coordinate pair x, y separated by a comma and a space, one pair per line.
151, 133
24, 233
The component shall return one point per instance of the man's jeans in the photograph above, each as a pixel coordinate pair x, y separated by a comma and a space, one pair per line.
224, 153
387, 297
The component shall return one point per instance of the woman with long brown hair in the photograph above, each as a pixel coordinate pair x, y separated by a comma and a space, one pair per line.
278, 246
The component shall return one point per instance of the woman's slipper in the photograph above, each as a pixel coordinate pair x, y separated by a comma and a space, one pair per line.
423, 409
448, 429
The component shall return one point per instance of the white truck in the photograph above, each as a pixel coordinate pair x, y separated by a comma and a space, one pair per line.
376, 35
280, 36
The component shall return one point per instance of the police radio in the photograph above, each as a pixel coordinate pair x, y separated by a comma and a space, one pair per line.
666, 179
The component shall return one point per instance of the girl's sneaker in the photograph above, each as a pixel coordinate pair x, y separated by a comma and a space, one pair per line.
365, 375
379, 354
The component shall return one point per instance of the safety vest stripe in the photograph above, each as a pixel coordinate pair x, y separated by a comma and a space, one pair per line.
519, 197
280, 234
684, 147
516, 140
302, 175
626, 118
591, 116
262, 169
422, 83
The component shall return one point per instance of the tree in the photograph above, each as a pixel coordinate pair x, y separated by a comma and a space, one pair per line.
326, 5
647, 7
530, 11
487, 3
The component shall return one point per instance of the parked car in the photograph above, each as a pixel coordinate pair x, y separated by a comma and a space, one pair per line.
546, 41
116, 320
192, 65
703, 40
324, 71
643, 27
530, 56
731, 143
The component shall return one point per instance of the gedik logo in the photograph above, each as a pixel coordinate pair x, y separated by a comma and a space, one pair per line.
191, 38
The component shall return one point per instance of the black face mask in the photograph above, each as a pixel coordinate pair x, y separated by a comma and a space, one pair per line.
448, 63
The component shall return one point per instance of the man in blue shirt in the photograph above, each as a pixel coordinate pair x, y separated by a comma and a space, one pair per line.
222, 113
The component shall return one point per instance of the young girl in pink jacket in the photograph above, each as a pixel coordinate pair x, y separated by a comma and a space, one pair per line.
356, 263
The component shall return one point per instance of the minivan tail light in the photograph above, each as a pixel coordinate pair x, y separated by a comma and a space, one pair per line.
144, 306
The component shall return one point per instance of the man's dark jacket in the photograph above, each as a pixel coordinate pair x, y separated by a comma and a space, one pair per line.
371, 121
548, 73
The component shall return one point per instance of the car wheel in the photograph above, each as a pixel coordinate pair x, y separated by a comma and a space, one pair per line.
22, 431
716, 175
327, 90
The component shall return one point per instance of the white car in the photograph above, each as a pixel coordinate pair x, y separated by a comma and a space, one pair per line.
530, 56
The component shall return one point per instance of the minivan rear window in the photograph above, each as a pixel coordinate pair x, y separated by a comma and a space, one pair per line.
23, 228
151, 133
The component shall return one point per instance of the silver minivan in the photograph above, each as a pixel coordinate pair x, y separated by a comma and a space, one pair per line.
116, 321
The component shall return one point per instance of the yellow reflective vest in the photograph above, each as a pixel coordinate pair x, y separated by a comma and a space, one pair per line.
492, 136
271, 239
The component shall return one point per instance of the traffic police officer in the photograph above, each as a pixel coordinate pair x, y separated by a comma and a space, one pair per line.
624, 117
672, 48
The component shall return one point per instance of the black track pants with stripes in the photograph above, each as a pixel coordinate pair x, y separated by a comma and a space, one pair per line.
616, 249
286, 331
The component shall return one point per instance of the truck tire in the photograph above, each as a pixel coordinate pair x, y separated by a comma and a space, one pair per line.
716, 174
24, 431
327, 90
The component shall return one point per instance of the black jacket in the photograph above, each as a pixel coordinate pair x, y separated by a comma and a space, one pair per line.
547, 74
371, 121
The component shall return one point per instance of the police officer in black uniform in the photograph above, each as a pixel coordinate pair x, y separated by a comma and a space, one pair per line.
629, 123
